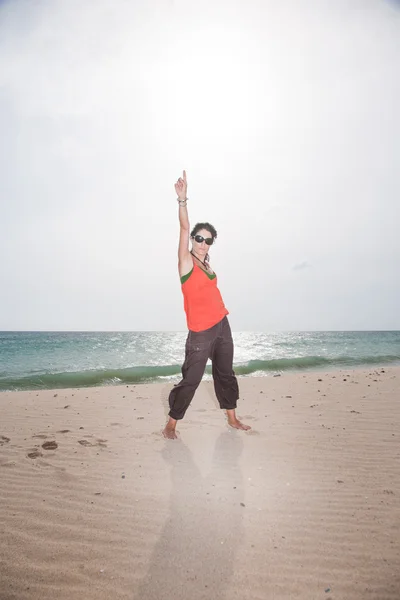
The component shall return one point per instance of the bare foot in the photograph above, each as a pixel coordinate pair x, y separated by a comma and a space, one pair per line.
169, 430
233, 421
238, 424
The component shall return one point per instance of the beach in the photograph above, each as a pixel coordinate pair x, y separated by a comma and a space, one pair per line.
96, 504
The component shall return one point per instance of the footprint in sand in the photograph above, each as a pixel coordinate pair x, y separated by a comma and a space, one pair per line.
34, 454
4, 440
99, 442
50, 445
7, 463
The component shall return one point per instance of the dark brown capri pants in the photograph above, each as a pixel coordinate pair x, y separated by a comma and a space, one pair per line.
215, 343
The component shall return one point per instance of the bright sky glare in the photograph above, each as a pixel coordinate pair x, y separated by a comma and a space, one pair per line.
285, 116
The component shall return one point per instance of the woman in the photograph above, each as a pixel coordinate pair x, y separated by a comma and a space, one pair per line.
209, 331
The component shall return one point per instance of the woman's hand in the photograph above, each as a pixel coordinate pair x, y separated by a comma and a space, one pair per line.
181, 187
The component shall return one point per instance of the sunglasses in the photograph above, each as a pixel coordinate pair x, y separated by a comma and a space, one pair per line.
199, 239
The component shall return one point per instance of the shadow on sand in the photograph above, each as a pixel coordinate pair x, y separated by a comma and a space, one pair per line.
195, 554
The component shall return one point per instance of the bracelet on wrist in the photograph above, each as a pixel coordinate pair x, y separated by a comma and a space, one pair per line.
182, 202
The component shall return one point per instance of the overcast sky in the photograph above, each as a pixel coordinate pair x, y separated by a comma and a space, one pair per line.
285, 115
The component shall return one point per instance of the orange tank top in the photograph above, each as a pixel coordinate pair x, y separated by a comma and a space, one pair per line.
202, 300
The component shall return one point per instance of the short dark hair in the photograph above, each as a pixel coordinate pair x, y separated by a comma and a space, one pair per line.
207, 226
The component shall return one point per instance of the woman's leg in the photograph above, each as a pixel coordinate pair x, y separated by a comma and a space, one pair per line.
225, 381
197, 352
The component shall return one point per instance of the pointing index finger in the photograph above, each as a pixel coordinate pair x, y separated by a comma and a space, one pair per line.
184, 176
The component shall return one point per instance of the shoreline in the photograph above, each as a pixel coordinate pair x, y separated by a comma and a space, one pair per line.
95, 503
207, 377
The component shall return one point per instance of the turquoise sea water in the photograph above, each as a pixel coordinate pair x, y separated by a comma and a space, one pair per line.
46, 360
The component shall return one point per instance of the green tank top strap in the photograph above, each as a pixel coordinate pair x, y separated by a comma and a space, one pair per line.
186, 277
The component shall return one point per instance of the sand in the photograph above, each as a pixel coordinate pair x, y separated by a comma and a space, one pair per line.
96, 504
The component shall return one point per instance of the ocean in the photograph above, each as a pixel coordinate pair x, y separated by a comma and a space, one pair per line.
49, 360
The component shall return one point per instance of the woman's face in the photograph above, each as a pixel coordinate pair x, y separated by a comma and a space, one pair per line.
201, 248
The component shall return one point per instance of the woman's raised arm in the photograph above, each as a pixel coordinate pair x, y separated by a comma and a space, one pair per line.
183, 250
